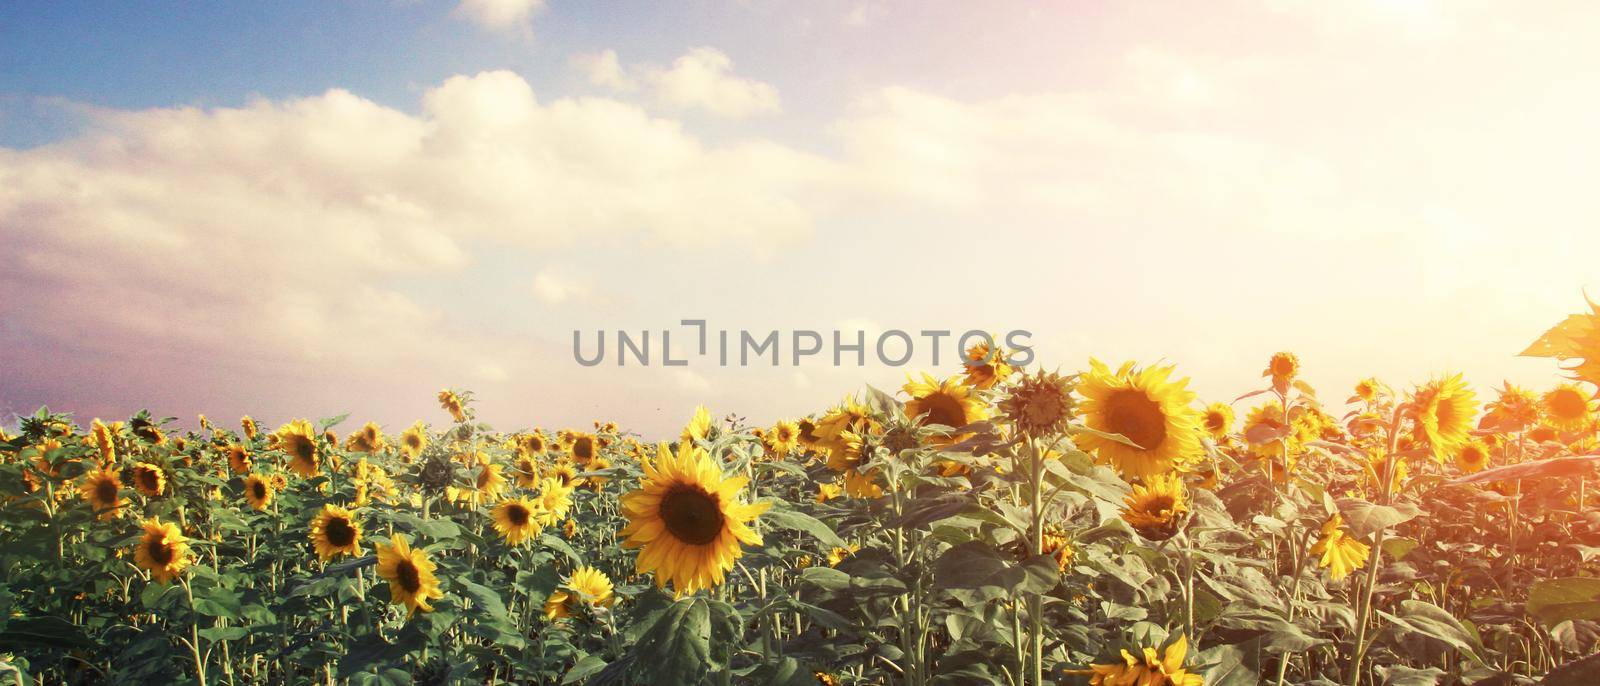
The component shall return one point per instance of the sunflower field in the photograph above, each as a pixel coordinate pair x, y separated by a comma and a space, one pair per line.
997, 526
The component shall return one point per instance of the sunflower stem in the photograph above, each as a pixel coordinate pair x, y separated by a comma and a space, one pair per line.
194, 633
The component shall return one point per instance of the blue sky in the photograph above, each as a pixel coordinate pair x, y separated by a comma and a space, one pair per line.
300, 208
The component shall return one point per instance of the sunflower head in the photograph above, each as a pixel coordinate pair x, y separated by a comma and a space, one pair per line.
688, 520
162, 550
1341, 553
451, 402
1577, 340
948, 403
517, 520
335, 532
1217, 420
250, 428
258, 492
1156, 669
1155, 507
587, 587
1473, 456
299, 441
410, 574
1040, 404
783, 438
699, 426
1367, 390
102, 490
104, 441
368, 439
149, 479
582, 447
238, 458
1515, 409
1567, 407
986, 365
1283, 367
1144, 407
554, 500
1442, 411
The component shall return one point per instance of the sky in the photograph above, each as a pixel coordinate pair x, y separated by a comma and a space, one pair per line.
304, 209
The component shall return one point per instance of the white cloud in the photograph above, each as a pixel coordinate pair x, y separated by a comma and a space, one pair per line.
501, 15
552, 288
701, 79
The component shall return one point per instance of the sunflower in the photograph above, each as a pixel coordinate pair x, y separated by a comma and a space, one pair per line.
566, 473
1217, 420
145, 429
699, 427
149, 479
516, 520
986, 366
858, 485
163, 550
1146, 409
1443, 410
1566, 407
783, 438
1341, 553
587, 587
413, 440
1575, 338
410, 574
947, 403
582, 447
1283, 367
526, 472
595, 481
487, 485
335, 532
258, 492
1039, 405
838, 553
534, 443
555, 499
1515, 409
450, 402
103, 439
368, 439
102, 490
1158, 669
299, 441
1367, 390
688, 519
808, 432
238, 458
1154, 507
250, 429
828, 491
1473, 456
1058, 546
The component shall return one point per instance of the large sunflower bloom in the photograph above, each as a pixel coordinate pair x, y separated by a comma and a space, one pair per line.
410, 574
1443, 410
1154, 507
1144, 407
688, 520
948, 403
299, 441
587, 586
516, 520
163, 550
783, 438
238, 458
1341, 554
102, 490
335, 532
258, 492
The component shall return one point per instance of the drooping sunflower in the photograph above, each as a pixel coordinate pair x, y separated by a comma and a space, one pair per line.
554, 501
299, 441
149, 479
1567, 408
699, 426
335, 532
1218, 420
1040, 404
1341, 553
1155, 506
102, 490
238, 458
409, 573
450, 402
586, 586
368, 439
1443, 411
1473, 456
517, 520
1283, 367
949, 403
163, 550
986, 366
688, 519
1157, 669
258, 492
1144, 407
1514, 410
103, 440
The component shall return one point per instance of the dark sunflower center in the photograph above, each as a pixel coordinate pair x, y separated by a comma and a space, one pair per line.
692, 515
160, 552
1446, 414
944, 409
1282, 366
410, 579
1159, 505
413, 441
583, 449
105, 491
149, 479
300, 447
258, 489
517, 515
483, 478
1214, 421
1567, 404
339, 532
1138, 418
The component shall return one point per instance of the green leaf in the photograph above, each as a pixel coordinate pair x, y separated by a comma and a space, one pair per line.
1431, 621
1366, 519
976, 566
589, 666
783, 517
1397, 548
1553, 601
677, 648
